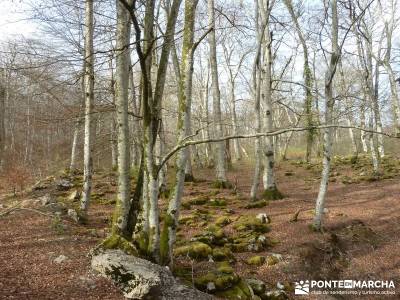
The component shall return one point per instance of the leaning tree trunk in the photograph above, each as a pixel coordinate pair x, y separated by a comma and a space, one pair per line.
329, 103
89, 99
183, 128
220, 167
308, 82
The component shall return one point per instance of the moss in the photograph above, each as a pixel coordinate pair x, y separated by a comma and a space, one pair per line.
272, 260
256, 204
217, 202
188, 219
257, 286
240, 291
225, 267
115, 241
196, 250
222, 185
272, 194
250, 223
222, 254
164, 238
201, 200
256, 260
223, 221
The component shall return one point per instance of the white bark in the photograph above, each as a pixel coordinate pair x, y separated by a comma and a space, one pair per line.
220, 167
89, 99
329, 103
121, 211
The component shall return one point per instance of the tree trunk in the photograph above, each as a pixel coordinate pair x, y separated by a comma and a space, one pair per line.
122, 207
270, 190
220, 167
89, 99
329, 103
185, 95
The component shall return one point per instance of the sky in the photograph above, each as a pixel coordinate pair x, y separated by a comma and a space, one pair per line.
13, 19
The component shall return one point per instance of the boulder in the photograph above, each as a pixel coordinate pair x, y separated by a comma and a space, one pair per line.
64, 184
142, 279
73, 215
60, 259
74, 196
47, 199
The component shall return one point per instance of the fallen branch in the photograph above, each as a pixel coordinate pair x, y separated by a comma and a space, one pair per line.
15, 208
185, 143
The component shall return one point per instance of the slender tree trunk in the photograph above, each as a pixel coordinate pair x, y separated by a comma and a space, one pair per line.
329, 102
308, 82
89, 99
2, 117
220, 167
185, 95
236, 142
270, 189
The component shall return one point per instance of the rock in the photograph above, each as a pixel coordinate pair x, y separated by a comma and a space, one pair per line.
256, 204
256, 260
57, 208
223, 221
196, 250
73, 215
250, 223
280, 286
74, 196
60, 259
256, 285
273, 259
225, 267
64, 184
142, 279
264, 218
326, 210
211, 286
275, 295
221, 254
46, 199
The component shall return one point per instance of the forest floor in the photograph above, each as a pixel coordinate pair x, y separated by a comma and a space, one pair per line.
43, 257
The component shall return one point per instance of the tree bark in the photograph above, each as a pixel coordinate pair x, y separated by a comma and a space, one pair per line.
220, 166
89, 99
329, 104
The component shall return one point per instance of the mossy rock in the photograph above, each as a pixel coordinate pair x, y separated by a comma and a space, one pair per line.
116, 241
223, 221
201, 200
240, 291
213, 236
196, 250
256, 204
225, 267
256, 260
222, 254
221, 281
257, 286
272, 194
188, 220
273, 260
250, 223
222, 185
217, 202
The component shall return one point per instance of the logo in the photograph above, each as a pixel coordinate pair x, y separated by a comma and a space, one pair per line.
302, 287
